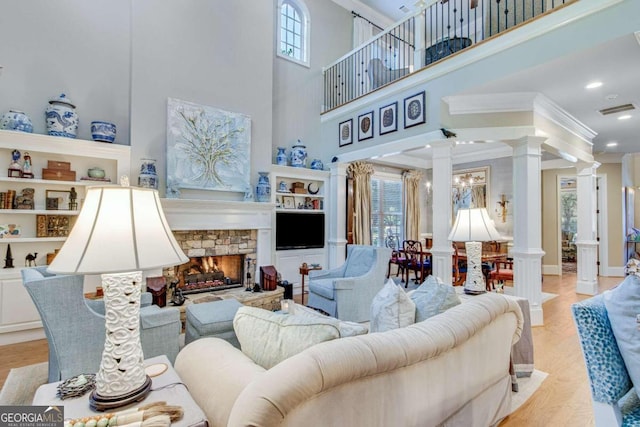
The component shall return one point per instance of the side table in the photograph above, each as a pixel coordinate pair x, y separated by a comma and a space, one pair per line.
303, 272
166, 387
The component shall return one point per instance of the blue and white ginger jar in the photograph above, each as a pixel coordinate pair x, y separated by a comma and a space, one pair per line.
148, 177
281, 157
263, 189
317, 164
16, 120
62, 119
299, 155
103, 131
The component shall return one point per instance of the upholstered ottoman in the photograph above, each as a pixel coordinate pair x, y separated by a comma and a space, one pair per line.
212, 319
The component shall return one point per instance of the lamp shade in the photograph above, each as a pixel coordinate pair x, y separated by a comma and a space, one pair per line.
473, 225
119, 229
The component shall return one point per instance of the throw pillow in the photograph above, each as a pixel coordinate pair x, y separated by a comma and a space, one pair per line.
347, 329
623, 305
269, 338
433, 297
391, 308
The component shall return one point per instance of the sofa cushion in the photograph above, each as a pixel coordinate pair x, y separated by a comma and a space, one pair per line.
623, 305
347, 329
433, 297
269, 338
391, 308
323, 287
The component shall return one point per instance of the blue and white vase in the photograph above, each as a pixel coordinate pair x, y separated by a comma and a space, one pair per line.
299, 155
281, 157
263, 189
148, 177
317, 164
62, 119
16, 120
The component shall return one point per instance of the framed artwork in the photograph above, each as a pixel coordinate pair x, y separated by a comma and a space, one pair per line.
57, 200
207, 148
288, 202
414, 110
8, 231
389, 118
470, 189
345, 133
365, 126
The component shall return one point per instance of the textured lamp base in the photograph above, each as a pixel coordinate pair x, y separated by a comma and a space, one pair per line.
106, 403
474, 285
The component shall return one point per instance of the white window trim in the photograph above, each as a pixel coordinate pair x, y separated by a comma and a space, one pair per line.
306, 50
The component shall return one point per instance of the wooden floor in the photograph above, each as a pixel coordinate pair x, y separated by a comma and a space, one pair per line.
562, 400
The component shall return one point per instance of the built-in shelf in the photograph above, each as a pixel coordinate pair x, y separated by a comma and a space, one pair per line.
313, 196
38, 212
301, 211
33, 239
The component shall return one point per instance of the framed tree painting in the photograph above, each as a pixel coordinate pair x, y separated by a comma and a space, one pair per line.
414, 110
470, 189
389, 118
365, 126
207, 148
345, 133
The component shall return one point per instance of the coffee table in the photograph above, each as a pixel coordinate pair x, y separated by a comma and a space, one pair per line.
166, 387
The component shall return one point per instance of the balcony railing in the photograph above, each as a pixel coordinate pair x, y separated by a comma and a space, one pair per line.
440, 29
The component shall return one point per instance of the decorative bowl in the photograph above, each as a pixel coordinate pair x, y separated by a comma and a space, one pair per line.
96, 173
103, 131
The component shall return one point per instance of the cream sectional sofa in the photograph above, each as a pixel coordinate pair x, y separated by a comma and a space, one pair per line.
451, 369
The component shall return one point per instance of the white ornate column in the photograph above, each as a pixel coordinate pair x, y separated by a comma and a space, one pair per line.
586, 243
337, 214
441, 251
527, 228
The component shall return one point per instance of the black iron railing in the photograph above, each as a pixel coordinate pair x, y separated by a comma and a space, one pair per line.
442, 28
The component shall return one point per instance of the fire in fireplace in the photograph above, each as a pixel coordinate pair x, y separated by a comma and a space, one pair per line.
210, 273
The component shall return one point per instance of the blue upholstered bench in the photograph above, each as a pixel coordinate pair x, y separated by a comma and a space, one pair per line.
212, 319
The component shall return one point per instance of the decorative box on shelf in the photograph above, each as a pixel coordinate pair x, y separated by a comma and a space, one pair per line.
58, 171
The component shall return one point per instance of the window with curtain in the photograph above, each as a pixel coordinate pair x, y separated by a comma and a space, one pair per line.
386, 209
293, 31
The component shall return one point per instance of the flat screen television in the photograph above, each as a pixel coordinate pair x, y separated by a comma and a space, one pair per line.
299, 230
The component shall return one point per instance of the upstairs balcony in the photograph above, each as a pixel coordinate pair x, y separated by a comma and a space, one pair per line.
442, 28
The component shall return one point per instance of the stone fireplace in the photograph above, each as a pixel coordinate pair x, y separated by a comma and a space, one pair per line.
220, 235
217, 259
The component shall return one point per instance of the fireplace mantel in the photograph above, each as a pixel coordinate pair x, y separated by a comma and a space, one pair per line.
189, 214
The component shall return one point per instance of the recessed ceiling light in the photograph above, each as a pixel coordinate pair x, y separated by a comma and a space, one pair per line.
612, 144
593, 85
625, 117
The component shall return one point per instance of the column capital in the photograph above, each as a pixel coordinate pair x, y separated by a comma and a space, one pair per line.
338, 169
587, 168
442, 148
529, 141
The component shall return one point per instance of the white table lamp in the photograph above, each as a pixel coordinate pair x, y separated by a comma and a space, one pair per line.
473, 226
119, 232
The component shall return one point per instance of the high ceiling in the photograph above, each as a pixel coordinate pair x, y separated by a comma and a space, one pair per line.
615, 64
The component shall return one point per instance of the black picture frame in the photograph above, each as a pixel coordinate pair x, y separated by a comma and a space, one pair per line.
388, 118
365, 126
414, 113
345, 133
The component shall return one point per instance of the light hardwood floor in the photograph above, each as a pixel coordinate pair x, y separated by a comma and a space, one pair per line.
563, 399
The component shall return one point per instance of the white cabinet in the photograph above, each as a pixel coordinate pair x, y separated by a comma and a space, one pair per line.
19, 319
302, 212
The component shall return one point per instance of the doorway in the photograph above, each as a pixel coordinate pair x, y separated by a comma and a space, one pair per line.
568, 223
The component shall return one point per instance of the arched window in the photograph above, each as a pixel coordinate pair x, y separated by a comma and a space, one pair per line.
293, 31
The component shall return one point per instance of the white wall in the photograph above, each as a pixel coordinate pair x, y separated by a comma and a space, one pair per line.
298, 91
75, 47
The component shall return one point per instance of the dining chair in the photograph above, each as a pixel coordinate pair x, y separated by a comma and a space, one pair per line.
416, 261
502, 272
397, 256
459, 268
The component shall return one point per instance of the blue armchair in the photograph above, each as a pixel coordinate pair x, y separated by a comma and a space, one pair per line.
615, 402
346, 292
75, 329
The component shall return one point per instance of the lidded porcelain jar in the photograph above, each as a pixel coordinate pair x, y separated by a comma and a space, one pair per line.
299, 155
62, 119
16, 120
263, 189
148, 177
281, 157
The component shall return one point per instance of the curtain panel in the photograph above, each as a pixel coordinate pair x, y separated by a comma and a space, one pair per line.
361, 173
411, 187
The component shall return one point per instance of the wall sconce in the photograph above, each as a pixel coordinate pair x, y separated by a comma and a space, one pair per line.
501, 209
428, 185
